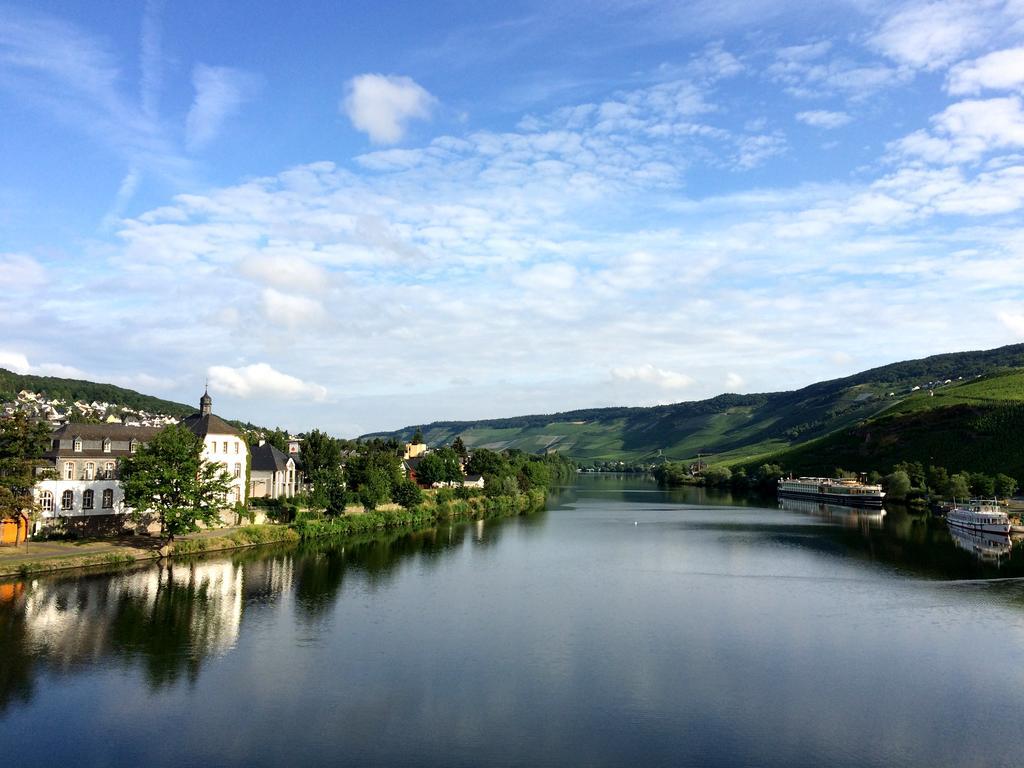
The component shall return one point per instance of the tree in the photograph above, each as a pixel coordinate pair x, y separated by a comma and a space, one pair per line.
320, 451
768, 475
717, 476
408, 494
897, 484
321, 461
375, 488
440, 466
417, 437
1006, 486
982, 485
373, 475
534, 474
938, 481
460, 447
168, 477
487, 462
22, 443
960, 485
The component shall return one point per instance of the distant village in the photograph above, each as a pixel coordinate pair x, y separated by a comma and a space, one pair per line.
59, 412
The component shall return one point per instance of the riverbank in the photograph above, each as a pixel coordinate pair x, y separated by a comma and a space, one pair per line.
50, 556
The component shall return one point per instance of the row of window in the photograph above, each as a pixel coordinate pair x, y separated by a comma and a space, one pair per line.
88, 470
226, 445
132, 445
67, 500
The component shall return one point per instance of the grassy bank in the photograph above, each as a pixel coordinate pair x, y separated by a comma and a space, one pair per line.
438, 508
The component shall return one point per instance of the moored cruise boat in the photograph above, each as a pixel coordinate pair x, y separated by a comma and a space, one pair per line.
980, 516
851, 493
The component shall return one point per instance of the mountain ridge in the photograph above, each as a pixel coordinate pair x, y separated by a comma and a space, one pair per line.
731, 427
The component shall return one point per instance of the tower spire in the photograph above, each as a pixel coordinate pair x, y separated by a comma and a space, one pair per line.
206, 402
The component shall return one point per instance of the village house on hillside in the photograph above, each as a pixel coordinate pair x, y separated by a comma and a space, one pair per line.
85, 459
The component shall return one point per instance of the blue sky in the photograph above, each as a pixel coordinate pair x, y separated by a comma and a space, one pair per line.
364, 215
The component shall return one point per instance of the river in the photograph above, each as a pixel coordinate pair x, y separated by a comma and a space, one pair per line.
623, 626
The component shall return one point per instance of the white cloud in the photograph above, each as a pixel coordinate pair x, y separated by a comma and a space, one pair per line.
19, 363
18, 271
291, 310
932, 34
816, 70
648, 374
733, 382
820, 118
290, 271
220, 92
261, 380
967, 130
999, 70
381, 105
1014, 321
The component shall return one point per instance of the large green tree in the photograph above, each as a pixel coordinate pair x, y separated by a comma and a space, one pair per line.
373, 474
321, 462
440, 466
168, 477
22, 443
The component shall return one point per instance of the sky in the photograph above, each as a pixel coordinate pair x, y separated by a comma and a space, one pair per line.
359, 216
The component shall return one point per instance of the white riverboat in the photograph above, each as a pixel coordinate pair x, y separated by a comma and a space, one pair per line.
980, 516
844, 491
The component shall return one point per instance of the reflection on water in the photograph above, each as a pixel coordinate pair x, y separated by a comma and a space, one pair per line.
851, 517
624, 626
984, 546
168, 618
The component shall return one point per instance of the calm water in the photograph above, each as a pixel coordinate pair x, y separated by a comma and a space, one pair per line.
624, 626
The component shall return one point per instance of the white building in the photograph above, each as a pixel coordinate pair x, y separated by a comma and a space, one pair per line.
274, 474
86, 460
222, 444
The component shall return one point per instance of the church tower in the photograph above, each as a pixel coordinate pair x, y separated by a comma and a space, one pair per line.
205, 403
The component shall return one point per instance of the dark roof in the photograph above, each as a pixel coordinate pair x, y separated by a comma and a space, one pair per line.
267, 458
210, 424
99, 431
412, 463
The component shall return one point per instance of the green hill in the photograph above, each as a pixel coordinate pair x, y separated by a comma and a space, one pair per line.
976, 426
738, 429
86, 391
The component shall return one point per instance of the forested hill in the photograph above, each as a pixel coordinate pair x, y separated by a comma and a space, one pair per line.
71, 390
731, 428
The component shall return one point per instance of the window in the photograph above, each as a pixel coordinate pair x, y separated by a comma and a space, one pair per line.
233, 495
78, 444
69, 470
46, 502
87, 497
236, 446
213, 447
238, 469
67, 501
90, 470
133, 445
108, 499
225, 446
106, 445
108, 470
